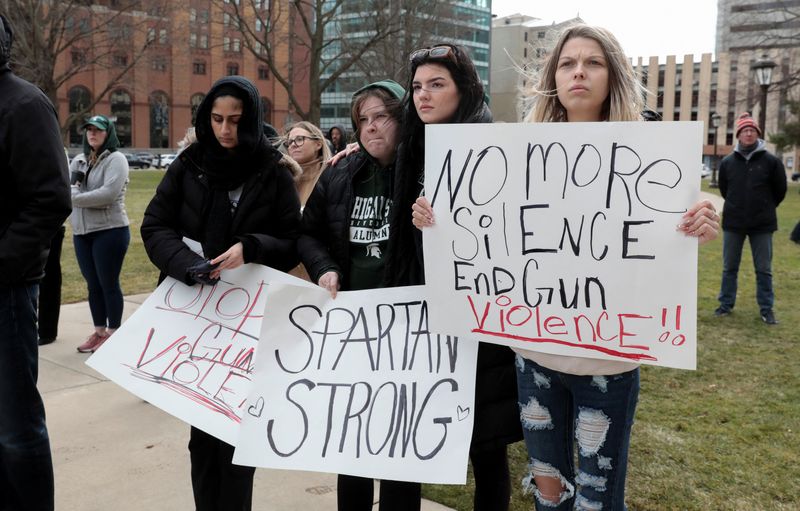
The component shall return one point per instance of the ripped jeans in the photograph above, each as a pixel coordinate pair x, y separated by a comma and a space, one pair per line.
557, 411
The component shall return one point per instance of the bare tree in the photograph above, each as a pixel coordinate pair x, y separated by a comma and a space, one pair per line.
56, 40
422, 23
321, 42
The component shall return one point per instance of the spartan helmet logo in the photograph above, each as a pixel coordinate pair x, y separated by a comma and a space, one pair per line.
373, 250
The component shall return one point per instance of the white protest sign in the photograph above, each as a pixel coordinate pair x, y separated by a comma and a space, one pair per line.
561, 237
358, 385
190, 350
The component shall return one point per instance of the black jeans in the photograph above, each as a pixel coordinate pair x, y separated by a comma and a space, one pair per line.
50, 290
355, 493
217, 483
26, 466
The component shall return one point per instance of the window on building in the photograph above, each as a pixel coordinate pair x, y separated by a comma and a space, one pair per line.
121, 109
266, 107
233, 68
193, 40
236, 45
78, 56
259, 25
226, 19
226, 43
525, 52
159, 63
526, 36
151, 34
162, 36
193, 15
540, 35
203, 43
79, 98
263, 73
202, 15
119, 60
159, 120
194, 103
199, 67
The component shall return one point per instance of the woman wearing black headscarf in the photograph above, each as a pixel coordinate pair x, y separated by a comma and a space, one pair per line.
230, 192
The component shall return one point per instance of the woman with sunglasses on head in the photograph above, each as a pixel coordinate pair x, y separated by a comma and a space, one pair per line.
345, 238
445, 88
563, 399
231, 192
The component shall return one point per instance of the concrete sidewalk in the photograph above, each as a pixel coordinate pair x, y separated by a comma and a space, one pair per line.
111, 450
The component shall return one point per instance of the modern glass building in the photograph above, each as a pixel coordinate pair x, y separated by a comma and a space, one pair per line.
419, 24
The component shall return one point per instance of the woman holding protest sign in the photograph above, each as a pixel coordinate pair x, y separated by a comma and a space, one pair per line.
445, 88
564, 399
231, 192
345, 236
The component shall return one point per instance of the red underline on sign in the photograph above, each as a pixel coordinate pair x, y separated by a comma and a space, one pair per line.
547, 340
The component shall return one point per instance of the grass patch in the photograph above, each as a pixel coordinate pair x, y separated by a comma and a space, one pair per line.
723, 437
138, 273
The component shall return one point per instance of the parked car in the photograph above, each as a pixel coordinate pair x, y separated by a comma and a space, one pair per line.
136, 163
148, 157
165, 160
704, 171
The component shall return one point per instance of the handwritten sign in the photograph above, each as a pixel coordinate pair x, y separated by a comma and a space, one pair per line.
359, 385
561, 237
191, 350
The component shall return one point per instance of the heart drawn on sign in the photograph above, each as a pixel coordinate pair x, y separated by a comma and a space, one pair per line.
462, 413
256, 409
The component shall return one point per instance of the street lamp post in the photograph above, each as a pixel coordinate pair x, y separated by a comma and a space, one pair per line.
763, 69
714, 124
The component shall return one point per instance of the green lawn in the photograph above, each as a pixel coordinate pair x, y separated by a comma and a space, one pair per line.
138, 273
724, 437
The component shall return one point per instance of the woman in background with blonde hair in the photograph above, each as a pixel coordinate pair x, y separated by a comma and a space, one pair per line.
306, 145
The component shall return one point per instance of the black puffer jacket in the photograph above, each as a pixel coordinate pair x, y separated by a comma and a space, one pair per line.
752, 188
497, 420
325, 242
34, 198
267, 217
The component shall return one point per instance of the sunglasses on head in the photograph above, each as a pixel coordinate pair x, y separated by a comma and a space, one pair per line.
435, 53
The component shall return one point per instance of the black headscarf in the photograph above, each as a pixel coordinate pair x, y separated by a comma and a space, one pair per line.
228, 169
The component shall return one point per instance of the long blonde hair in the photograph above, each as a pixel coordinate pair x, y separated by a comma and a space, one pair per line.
325, 152
625, 100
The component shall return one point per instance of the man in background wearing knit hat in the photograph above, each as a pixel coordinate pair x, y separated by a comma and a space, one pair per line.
752, 182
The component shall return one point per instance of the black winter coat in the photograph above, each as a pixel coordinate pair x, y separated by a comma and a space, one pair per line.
752, 190
324, 244
35, 198
267, 218
497, 421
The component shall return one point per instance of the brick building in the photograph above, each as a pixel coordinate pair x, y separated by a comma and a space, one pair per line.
190, 46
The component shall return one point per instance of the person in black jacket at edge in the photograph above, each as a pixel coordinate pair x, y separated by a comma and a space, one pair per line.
444, 87
230, 192
345, 235
34, 202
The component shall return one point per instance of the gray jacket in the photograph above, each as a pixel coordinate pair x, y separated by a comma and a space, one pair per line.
98, 203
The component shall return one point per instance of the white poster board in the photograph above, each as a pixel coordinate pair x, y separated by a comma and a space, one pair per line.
561, 237
358, 385
191, 350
